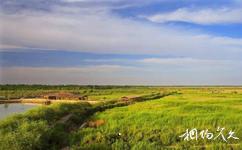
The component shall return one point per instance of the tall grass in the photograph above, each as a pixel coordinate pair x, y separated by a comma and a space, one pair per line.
151, 122
37, 128
158, 124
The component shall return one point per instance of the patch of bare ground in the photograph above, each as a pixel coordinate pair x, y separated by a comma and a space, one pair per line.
96, 123
92, 123
93, 102
64, 119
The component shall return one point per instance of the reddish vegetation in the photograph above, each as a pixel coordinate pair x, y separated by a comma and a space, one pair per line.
96, 123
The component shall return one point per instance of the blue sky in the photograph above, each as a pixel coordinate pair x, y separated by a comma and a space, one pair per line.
156, 42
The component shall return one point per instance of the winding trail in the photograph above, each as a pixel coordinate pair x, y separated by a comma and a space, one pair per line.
65, 118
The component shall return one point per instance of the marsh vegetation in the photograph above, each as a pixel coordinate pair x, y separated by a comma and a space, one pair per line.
154, 120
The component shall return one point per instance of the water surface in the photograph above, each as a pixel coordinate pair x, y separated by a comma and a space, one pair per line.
10, 109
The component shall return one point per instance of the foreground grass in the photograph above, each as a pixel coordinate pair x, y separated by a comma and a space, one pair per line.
38, 128
155, 124
158, 124
44, 128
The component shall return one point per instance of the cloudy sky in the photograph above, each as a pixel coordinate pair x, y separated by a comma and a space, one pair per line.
138, 42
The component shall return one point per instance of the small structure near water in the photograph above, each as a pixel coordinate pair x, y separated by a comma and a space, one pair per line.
64, 96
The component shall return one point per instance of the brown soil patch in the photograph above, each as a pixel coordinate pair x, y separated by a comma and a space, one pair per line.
96, 123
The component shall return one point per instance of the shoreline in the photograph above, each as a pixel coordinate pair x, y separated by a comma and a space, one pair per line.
38, 101
10, 101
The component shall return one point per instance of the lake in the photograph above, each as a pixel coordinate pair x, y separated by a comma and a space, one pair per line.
9, 109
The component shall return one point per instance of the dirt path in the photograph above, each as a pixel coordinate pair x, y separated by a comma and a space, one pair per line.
93, 102
64, 119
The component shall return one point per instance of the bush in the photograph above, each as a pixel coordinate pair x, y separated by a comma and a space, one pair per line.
27, 136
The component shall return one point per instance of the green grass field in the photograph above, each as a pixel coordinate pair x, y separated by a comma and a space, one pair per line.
148, 124
158, 124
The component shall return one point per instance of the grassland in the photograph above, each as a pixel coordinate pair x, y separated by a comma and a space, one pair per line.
158, 124
150, 123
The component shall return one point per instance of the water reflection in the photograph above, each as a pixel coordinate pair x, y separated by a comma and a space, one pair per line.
6, 106
8, 109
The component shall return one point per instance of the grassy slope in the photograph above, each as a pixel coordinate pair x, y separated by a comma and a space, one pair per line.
157, 124
38, 128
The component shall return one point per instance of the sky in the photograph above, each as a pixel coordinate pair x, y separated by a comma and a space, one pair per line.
121, 42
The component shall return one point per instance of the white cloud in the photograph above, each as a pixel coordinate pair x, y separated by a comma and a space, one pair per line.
165, 74
92, 1
102, 74
3, 46
86, 69
189, 61
104, 33
203, 16
95, 29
